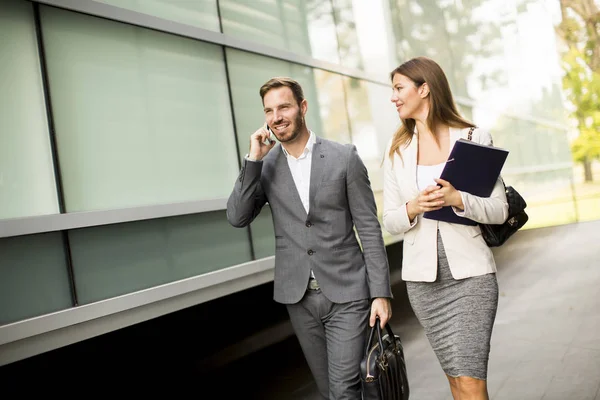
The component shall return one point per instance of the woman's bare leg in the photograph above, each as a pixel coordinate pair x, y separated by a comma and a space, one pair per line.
468, 388
453, 387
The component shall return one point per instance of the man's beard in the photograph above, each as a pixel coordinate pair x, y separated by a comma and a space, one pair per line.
299, 124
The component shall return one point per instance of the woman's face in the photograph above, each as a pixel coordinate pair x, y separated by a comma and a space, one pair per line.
408, 98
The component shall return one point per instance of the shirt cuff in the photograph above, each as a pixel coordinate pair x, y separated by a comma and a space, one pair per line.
247, 157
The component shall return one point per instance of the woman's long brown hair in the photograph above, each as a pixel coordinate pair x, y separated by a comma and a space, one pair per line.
442, 109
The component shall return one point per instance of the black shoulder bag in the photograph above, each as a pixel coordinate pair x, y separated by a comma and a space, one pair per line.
495, 235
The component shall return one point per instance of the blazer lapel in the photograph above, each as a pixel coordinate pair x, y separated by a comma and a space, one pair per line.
316, 171
287, 181
411, 156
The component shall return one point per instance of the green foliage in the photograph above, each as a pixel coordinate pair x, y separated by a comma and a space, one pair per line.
581, 81
582, 86
586, 146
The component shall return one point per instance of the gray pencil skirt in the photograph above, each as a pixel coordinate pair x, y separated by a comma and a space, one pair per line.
457, 317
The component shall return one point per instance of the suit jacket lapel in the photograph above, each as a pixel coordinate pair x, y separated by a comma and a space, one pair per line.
316, 171
287, 181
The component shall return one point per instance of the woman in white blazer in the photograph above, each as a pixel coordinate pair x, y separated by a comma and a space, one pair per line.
448, 268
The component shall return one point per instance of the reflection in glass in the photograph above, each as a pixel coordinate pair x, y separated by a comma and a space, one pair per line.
138, 114
345, 24
27, 185
481, 48
331, 107
33, 277
203, 13
420, 30
534, 65
322, 31
375, 38
112, 260
300, 26
373, 120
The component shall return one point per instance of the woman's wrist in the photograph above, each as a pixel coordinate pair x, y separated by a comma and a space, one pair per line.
457, 201
410, 211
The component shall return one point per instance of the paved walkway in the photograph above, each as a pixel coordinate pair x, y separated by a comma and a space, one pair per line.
545, 345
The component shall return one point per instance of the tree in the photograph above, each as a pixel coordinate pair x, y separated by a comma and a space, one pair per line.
580, 33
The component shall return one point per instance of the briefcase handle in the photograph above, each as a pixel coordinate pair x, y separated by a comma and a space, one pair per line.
377, 328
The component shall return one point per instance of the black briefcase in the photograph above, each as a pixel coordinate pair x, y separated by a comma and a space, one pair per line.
383, 369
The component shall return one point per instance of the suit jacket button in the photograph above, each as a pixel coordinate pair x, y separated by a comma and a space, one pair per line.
308, 224
310, 252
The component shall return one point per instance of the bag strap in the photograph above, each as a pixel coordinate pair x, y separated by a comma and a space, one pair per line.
470, 137
377, 328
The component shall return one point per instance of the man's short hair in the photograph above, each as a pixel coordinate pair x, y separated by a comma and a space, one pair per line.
282, 81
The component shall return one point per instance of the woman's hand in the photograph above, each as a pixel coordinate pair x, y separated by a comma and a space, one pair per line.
450, 195
430, 199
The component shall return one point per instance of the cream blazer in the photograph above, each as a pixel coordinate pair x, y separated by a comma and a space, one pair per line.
468, 254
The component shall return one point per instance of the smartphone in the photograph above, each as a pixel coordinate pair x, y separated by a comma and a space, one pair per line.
271, 139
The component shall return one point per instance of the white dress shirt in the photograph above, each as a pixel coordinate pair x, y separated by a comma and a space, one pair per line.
300, 169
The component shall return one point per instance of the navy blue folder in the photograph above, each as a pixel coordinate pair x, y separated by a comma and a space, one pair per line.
473, 168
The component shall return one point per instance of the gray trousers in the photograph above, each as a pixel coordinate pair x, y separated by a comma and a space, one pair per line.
333, 339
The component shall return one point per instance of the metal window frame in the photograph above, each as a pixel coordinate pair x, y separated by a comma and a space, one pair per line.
85, 219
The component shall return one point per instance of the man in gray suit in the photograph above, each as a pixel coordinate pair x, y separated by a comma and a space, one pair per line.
318, 191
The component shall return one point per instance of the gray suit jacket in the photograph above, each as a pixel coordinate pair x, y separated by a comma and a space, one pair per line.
340, 198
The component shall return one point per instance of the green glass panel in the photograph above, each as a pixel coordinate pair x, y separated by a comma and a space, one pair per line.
422, 29
27, 185
142, 117
113, 260
304, 27
33, 277
374, 120
347, 35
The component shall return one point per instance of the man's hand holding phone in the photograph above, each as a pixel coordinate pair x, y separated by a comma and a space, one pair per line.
261, 143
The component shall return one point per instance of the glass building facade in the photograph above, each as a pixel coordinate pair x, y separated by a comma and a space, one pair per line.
123, 124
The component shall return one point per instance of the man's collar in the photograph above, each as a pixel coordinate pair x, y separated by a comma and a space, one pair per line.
309, 145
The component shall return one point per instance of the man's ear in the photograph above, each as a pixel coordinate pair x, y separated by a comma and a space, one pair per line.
304, 107
424, 90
